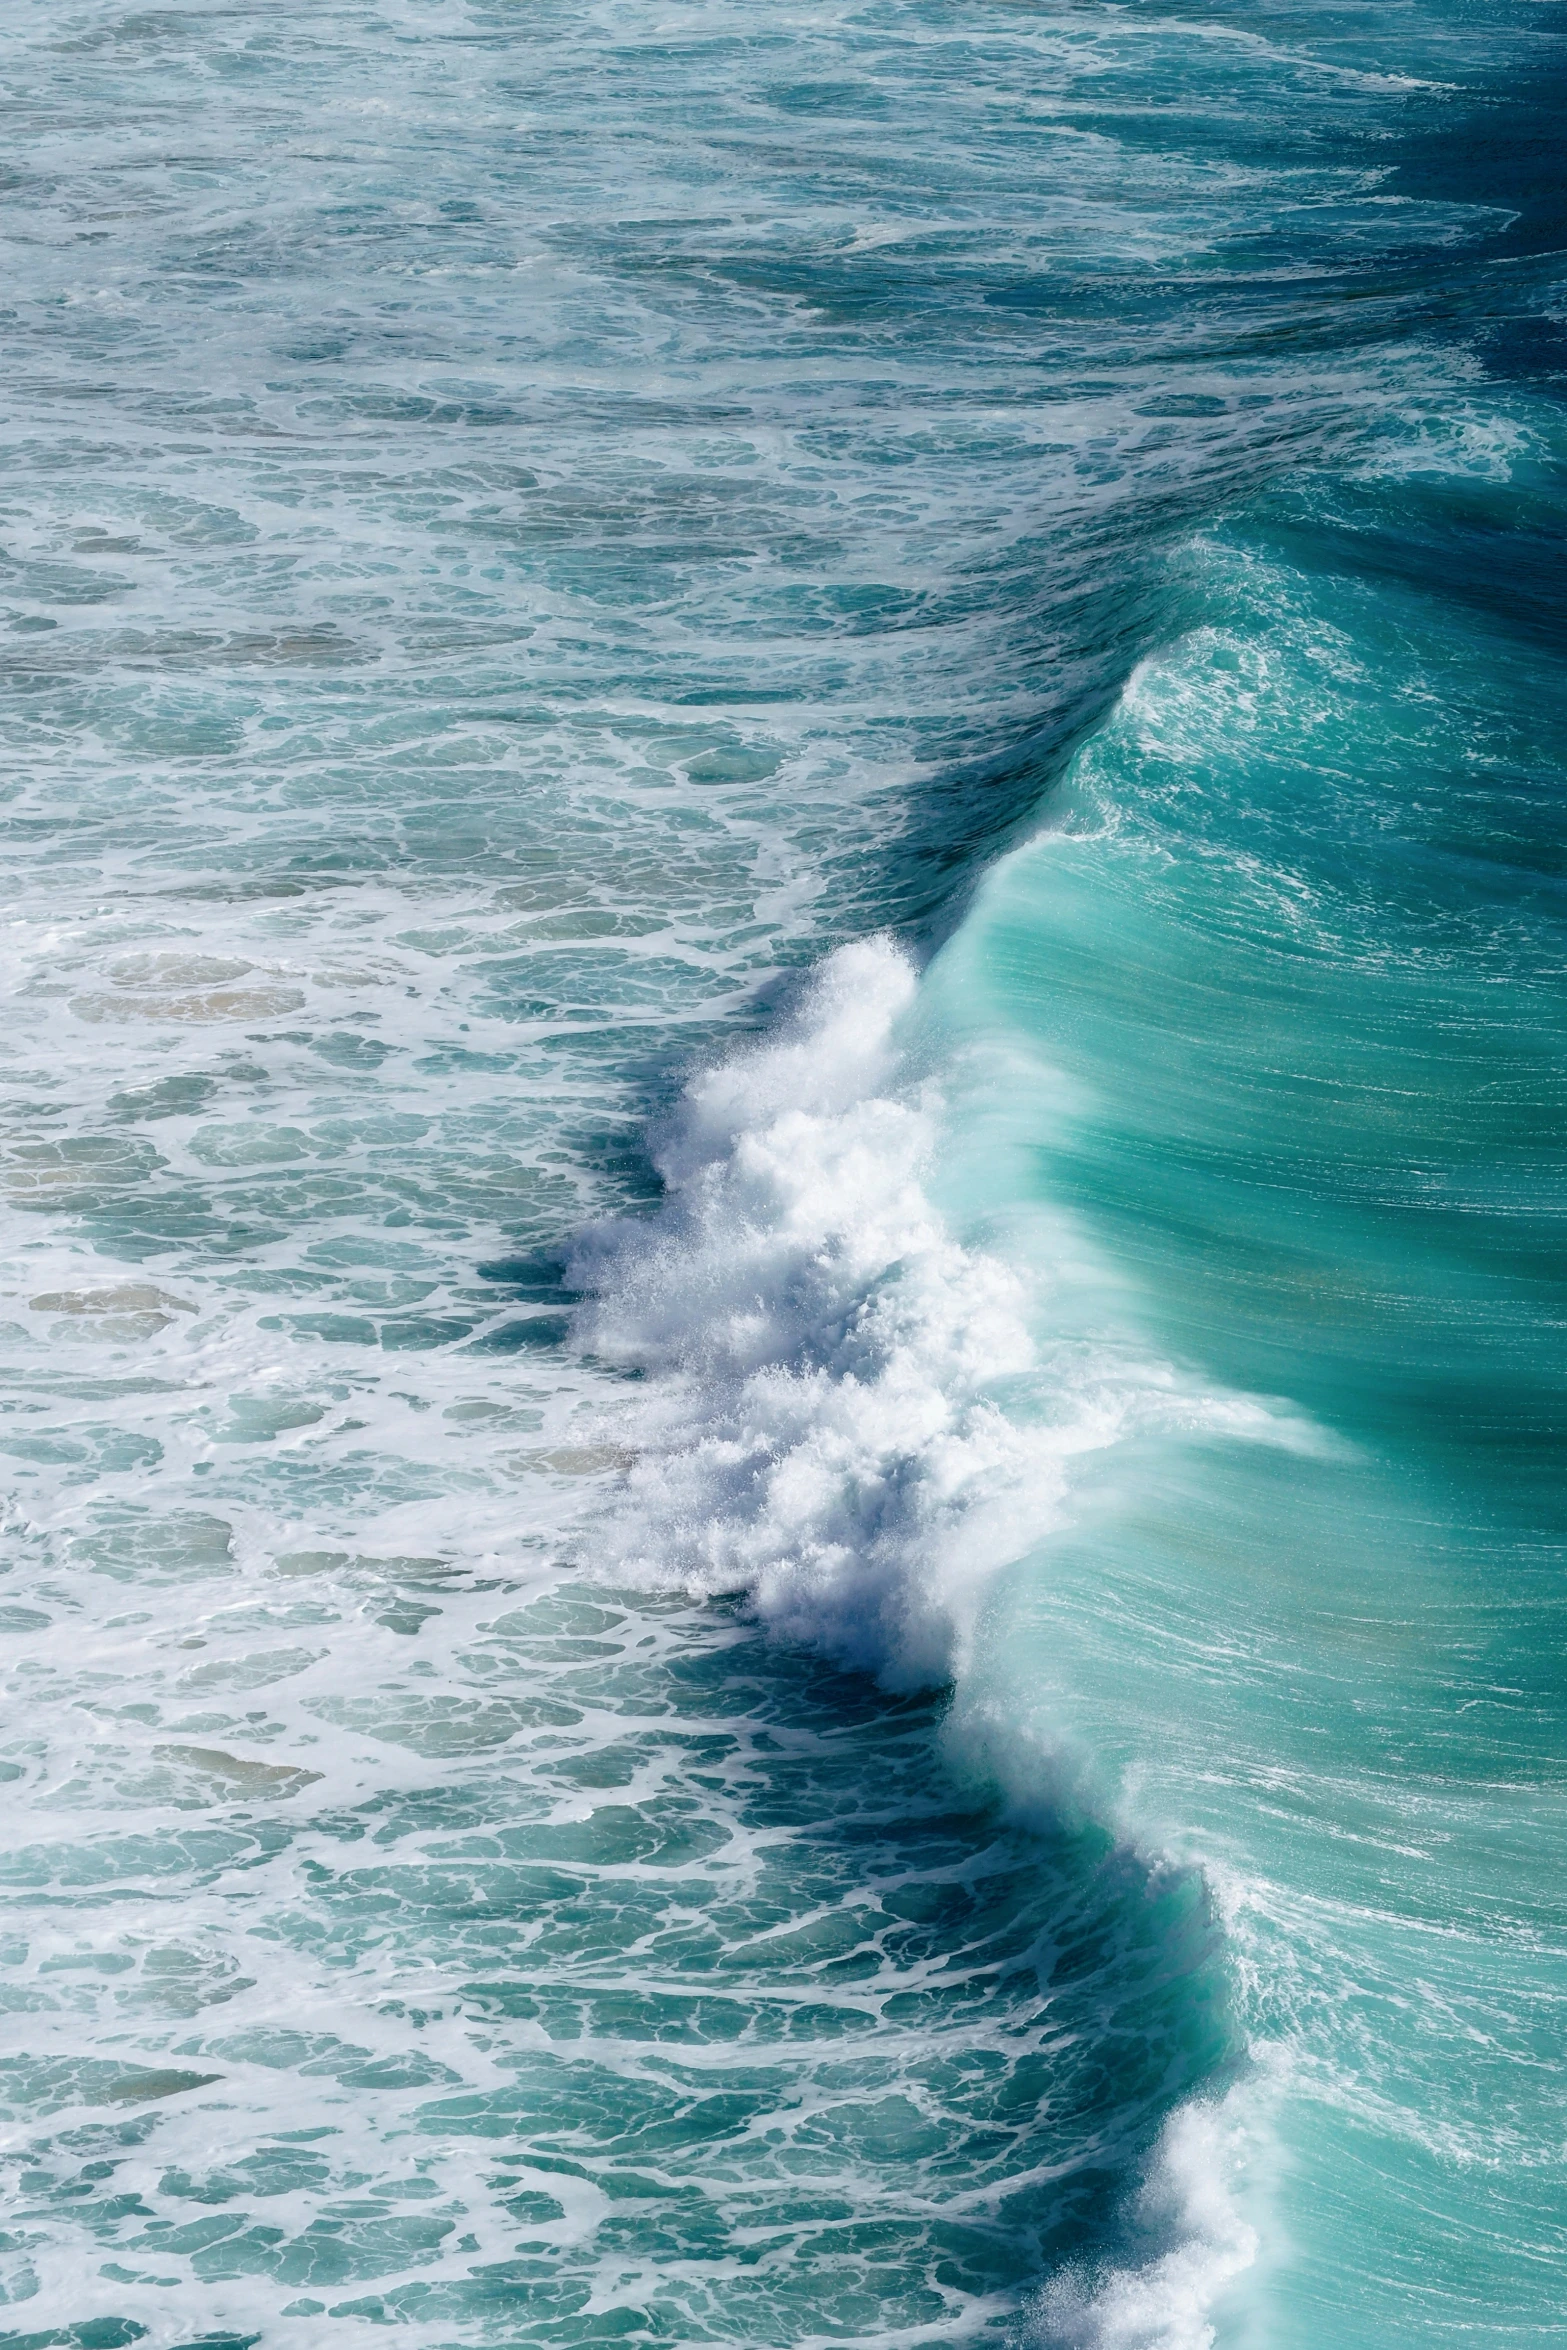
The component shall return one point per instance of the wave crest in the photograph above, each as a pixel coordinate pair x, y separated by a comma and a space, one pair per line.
826, 1429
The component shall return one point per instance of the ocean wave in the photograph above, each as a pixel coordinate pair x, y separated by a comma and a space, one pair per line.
1190, 2220
852, 1419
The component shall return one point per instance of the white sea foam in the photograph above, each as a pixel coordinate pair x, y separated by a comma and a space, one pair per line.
826, 1436
1191, 2214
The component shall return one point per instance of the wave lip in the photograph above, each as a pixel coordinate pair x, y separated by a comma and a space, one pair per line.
1195, 2234
851, 1419
827, 1435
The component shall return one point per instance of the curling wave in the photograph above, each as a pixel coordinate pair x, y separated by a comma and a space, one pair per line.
853, 1419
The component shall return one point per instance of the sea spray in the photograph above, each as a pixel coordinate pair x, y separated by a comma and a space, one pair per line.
1189, 2221
854, 1418
826, 1436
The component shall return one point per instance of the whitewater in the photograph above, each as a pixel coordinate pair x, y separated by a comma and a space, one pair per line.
784, 1070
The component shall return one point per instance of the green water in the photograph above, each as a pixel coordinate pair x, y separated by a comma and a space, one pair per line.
780, 1148
1283, 981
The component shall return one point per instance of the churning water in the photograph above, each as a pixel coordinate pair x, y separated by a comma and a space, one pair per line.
783, 1344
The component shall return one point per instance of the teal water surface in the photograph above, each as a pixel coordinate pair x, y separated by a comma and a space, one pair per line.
782, 1348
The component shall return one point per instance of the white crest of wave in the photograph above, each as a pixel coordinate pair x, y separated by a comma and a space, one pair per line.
1189, 2212
823, 1429
823, 1438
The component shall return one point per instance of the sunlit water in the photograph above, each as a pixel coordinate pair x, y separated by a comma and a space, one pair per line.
700, 1653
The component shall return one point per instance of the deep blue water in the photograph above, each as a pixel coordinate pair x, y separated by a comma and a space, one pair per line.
784, 1084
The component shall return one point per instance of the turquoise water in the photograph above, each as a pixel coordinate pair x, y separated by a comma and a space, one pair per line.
782, 1172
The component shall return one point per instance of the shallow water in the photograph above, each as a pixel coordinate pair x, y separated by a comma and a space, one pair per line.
704, 1654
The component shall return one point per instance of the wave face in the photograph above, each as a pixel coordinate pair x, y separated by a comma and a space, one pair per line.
852, 1421
1331, 1671
781, 1167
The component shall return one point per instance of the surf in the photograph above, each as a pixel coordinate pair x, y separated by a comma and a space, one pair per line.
778, 1176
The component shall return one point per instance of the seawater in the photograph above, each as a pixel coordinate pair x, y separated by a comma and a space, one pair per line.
782, 1168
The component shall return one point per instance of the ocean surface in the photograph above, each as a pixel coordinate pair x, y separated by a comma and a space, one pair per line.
784, 801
